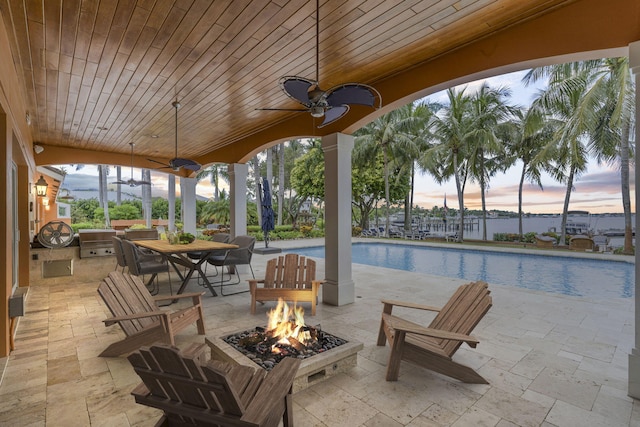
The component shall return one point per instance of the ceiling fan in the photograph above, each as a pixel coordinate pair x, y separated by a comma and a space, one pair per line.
331, 104
177, 162
132, 182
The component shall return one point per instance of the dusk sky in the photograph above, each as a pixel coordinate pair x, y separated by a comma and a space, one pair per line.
596, 191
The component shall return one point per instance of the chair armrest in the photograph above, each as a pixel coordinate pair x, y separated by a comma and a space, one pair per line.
116, 319
276, 385
388, 302
399, 324
178, 296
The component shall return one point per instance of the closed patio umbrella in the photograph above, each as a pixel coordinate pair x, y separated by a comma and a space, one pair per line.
267, 212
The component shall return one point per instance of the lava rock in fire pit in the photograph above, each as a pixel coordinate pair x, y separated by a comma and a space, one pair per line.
266, 352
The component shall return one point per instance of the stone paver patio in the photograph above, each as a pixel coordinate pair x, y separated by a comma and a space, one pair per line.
551, 360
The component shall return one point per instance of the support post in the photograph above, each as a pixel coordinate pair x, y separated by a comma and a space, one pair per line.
188, 196
634, 356
238, 202
338, 288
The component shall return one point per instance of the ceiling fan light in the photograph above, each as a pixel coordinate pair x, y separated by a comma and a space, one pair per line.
316, 111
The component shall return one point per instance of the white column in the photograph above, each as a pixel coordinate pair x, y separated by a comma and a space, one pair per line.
188, 196
338, 288
172, 202
238, 198
634, 357
238, 202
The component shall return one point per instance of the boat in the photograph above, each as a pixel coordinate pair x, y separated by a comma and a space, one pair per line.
615, 232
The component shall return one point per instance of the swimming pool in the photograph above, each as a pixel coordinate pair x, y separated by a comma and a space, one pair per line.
564, 275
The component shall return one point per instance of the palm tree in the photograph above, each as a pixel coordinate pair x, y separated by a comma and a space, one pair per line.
567, 99
383, 136
524, 137
453, 129
215, 173
414, 123
488, 109
613, 86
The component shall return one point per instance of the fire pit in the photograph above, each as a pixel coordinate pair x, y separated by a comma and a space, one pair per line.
286, 335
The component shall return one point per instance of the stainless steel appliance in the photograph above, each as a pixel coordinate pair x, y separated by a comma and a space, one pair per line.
95, 243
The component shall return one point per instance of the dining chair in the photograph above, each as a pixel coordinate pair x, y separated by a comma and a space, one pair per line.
140, 264
119, 252
231, 259
218, 237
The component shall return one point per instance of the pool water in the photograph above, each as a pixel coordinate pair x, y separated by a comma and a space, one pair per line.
591, 278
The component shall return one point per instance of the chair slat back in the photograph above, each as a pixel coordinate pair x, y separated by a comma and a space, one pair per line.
167, 374
290, 271
125, 294
463, 312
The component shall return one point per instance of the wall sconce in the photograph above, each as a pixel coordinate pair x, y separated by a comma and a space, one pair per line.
41, 187
38, 148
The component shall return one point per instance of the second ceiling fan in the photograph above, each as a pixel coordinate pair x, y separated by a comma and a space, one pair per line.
331, 104
132, 182
178, 162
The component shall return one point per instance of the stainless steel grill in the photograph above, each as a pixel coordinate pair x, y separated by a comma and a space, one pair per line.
95, 243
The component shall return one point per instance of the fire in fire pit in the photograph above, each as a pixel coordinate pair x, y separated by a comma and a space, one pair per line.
286, 335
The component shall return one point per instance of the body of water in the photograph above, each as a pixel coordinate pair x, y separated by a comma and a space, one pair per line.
591, 278
540, 224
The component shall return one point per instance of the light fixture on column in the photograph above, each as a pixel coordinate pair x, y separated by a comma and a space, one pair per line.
41, 187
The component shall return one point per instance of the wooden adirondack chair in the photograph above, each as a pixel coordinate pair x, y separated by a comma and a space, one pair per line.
137, 313
215, 393
433, 347
290, 277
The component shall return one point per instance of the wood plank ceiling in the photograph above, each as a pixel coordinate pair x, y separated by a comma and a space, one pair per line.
98, 75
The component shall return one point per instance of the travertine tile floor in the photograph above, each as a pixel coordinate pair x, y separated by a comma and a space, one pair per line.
551, 360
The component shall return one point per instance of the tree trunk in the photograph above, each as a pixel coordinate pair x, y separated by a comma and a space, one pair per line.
105, 196
146, 197
386, 190
521, 185
565, 209
456, 174
100, 187
408, 217
281, 182
483, 186
626, 198
118, 187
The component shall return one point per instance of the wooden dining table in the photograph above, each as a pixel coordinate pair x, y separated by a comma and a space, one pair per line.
177, 255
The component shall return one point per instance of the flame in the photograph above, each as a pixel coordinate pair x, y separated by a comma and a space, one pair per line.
287, 322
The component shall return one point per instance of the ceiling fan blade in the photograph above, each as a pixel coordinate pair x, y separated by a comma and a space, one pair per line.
160, 163
353, 93
302, 110
333, 114
120, 182
297, 88
179, 162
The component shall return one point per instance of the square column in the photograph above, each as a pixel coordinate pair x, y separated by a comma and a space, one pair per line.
339, 288
188, 196
238, 198
238, 202
634, 357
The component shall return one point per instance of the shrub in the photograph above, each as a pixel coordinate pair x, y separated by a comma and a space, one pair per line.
82, 226
306, 230
356, 231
